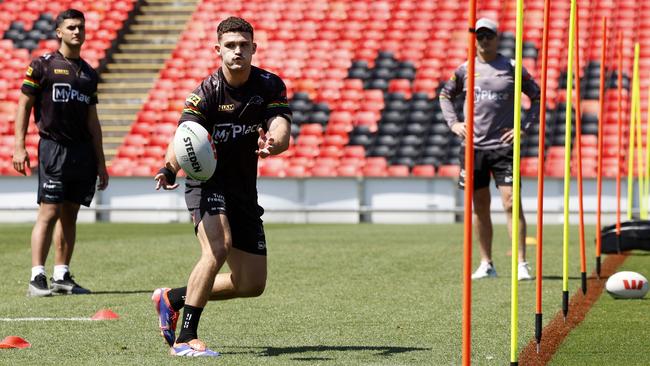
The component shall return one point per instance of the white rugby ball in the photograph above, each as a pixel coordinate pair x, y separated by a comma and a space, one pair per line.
627, 285
195, 151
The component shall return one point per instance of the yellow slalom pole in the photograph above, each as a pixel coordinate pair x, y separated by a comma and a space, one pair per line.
643, 214
630, 157
567, 162
646, 190
516, 186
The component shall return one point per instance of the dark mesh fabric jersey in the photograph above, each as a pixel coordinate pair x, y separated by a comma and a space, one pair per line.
64, 89
233, 116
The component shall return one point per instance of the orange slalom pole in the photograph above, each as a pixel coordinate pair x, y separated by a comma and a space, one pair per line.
581, 210
540, 178
469, 187
619, 155
601, 122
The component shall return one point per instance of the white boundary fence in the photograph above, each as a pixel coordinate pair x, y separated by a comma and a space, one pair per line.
317, 200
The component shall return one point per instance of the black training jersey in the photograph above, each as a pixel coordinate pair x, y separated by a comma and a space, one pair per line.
233, 116
64, 89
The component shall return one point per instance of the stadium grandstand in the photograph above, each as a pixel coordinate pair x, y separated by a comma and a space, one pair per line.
363, 76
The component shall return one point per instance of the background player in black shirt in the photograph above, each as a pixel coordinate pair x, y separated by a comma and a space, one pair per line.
62, 89
246, 111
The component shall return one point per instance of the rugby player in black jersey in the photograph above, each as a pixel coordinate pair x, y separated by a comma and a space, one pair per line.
245, 109
62, 89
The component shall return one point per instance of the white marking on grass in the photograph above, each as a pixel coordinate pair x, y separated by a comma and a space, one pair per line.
37, 319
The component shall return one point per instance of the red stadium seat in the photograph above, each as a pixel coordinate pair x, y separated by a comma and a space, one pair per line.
424, 171
331, 151
398, 171
142, 171
309, 140
308, 151
136, 140
451, 171
377, 161
401, 86
366, 118
348, 171
314, 129
335, 140
375, 171
323, 171
302, 160
327, 161
356, 161
155, 151
341, 118
297, 171
132, 152
272, 167
529, 167
554, 169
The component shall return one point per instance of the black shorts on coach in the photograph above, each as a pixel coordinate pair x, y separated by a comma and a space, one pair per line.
66, 173
245, 221
496, 162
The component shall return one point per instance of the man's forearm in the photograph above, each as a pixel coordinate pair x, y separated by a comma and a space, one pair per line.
170, 159
96, 135
448, 111
279, 129
22, 120
532, 117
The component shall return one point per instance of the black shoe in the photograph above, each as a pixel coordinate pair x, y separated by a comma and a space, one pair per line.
68, 286
38, 287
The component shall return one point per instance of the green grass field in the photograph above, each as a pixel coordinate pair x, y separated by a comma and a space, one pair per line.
336, 295
615, 331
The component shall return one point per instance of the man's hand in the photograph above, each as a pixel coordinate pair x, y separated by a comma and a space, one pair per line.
264, 143
103, 177
163, 182
508, 136
460, 129
20, 160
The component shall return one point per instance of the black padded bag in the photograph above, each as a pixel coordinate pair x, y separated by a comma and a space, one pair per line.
634, 235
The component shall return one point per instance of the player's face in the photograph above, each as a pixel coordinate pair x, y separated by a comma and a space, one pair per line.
72, 32
486, 41
236, 50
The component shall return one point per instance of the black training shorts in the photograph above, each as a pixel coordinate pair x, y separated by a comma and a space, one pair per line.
246, 225
66, 173
497, 162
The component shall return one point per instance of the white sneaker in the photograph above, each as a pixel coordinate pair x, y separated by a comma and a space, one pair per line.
485, 270
523, 272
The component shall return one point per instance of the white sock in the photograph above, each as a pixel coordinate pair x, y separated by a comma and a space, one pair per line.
36, 270
59, 271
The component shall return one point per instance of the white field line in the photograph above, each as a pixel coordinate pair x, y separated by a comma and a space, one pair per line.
36, 319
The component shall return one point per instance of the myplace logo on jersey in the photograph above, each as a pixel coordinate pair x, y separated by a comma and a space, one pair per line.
226, 131
63, 93
480, 94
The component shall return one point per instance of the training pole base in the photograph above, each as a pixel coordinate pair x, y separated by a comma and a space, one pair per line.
538, 328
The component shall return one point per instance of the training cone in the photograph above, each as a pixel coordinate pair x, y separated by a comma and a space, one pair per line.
105, 314
14, 342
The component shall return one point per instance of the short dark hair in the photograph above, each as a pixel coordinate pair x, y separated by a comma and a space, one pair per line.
69, 14
234, 24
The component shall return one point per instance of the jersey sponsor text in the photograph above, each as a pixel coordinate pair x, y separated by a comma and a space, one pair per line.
63, 92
